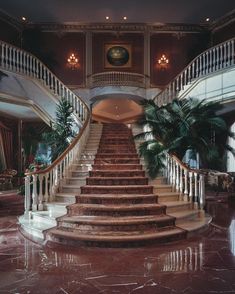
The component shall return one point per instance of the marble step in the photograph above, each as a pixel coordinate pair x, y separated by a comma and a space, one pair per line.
115, 239
66, 198
111, 199
158, 181
162, 188
168, 196
116, 160
127, 224
46, 217
117, 167
78, 174
174, 206
76, 181
33, 229
115, 210
131, 189
56, 207
196, 225
116, 181
117, 173
69, 188
184, 215
107, 149
84, 161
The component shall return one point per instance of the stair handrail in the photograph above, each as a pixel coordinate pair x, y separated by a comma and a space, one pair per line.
40, 186
190, 183
17, 60
216, 58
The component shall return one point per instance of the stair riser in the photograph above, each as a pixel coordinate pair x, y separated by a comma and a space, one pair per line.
116, 190
162, 189
116, 201
117, 167
114, 244
116, 160
179, 208
116, 150
115, 213
85, 161
117, 173
44, 220
66, 199
80, 174
167, 198
76, 182
110, 155
158, 181
116, 228
75, 191
116, 182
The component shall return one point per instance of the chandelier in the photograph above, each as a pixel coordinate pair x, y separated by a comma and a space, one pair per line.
73, 62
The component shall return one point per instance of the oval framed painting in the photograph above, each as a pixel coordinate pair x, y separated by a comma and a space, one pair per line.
117, 55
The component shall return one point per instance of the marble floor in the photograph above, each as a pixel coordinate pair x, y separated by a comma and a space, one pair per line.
202, 264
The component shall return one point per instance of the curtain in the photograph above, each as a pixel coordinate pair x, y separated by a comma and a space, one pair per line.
7, 145
2, 154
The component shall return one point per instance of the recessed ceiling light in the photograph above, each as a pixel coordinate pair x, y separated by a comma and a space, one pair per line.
107, 17
125, 17
23, 18
207, 19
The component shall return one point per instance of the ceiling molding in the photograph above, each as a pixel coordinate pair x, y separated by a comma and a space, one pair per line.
118, 27
223, 21
11, 20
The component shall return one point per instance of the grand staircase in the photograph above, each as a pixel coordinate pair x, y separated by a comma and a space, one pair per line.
117, 206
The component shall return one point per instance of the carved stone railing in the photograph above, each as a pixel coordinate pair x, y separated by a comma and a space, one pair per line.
190, 183
19, 61
117, 78
217, 58
40, 186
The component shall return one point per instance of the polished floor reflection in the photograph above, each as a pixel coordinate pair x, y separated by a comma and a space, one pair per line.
203, 264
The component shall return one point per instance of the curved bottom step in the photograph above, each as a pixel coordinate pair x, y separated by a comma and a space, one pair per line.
114, 239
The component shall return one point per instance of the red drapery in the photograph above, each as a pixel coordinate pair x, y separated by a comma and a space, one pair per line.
7, 144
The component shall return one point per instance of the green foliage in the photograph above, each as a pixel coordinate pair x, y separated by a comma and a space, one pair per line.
58, 139
183, 125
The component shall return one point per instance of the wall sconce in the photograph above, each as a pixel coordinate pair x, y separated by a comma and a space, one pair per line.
73, 62
163, 62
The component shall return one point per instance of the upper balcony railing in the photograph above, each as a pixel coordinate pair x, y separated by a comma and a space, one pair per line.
117, 78
19, 61
217, 58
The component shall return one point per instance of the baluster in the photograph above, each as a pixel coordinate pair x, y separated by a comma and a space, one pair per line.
185, 185
190, 187
14, 59
27, 201
200, 66
229, 52
225, 56
203, 63
189, 74
193, 75
195, 191
206, 63
173, 175
202, 193
177, 176
51, 186
46, 196
181, 180
214, 59
40, 195
221, 57
35, 194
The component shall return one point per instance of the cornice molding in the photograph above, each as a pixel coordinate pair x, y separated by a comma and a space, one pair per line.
223, 21
11, 20
118, 27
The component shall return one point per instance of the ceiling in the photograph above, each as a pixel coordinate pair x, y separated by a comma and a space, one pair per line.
115, 109
167, 11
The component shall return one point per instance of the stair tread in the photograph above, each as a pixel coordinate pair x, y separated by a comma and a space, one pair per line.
118, 235
184, 213
118, 207
117, 220
195, 224
174, 203
117, 196
117, 186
